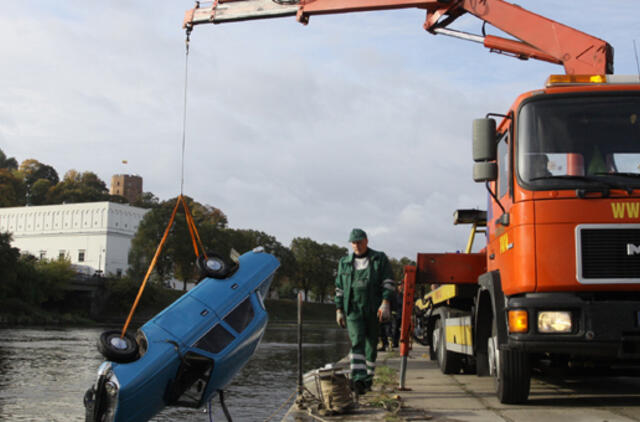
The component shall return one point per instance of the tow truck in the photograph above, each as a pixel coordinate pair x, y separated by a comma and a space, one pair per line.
558, 280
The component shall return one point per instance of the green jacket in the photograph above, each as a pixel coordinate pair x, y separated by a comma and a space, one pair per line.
381, 285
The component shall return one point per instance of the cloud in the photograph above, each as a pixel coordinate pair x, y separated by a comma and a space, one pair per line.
354, 120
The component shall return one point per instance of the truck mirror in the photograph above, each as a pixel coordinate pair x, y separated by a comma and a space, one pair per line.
485, 171
484, 140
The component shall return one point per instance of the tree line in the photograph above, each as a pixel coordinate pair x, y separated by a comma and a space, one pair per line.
35, 183
306, 265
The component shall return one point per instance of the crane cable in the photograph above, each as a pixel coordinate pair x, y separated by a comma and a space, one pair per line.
184, 108
193, 231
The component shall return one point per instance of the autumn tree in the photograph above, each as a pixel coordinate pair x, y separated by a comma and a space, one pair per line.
12, 189
38, 179
78, 187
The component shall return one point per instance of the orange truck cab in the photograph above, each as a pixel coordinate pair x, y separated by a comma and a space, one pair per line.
559, 279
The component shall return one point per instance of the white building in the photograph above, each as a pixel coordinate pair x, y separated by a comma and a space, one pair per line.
95, 236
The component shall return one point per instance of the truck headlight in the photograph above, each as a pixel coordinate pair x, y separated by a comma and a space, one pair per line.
554, 322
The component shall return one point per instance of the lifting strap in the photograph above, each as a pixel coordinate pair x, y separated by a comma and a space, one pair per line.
193, 231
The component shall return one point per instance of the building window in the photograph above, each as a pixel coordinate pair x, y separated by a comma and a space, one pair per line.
61, 254
119, 272
81, 255
43, 254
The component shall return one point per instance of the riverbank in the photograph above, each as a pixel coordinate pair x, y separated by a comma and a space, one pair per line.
385, 402
14, 313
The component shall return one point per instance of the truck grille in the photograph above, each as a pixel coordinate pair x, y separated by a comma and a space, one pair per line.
606, 254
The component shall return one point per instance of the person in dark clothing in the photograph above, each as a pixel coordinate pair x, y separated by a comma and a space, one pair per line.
396, 314
364, 286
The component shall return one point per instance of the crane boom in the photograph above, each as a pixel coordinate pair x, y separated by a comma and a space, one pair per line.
535, 36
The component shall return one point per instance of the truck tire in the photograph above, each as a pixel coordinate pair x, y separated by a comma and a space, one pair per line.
511, 370
449, 362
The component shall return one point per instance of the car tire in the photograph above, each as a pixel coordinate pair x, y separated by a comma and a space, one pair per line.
213, 266
116, 349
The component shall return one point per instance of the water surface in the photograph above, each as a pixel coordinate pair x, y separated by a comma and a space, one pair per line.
44, 373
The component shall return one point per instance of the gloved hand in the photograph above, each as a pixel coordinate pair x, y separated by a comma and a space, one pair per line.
384, 311
340, 318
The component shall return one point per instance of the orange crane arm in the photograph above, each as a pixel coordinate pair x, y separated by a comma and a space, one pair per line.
535, 36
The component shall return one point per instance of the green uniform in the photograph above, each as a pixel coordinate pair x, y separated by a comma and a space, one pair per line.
361, 285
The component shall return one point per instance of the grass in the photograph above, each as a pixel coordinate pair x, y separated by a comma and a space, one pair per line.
385, 381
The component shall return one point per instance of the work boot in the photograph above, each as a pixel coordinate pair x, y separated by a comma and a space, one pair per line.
359, 387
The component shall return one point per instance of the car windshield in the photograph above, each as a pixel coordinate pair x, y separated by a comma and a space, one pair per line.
580, 142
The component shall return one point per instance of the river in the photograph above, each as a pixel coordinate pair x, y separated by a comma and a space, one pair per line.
44, 373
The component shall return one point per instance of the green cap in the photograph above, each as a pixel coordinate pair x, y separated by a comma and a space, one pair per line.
357, 235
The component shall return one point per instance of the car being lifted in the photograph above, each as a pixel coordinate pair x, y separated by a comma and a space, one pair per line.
189, 351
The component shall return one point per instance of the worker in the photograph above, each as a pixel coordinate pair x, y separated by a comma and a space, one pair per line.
597, 164
396, 314
386, 329
539, 167
364, 286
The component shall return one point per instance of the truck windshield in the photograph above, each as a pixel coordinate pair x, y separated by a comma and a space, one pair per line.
579, 142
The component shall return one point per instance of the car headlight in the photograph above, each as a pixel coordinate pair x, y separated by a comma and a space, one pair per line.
554, 322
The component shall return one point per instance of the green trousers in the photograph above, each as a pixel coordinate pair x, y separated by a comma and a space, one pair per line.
363, 333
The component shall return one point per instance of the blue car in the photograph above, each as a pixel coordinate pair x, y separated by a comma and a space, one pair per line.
189, 351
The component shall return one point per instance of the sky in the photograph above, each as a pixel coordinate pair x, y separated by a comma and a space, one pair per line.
358, 120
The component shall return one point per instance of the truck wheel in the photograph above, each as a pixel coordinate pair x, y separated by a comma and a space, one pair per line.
420, 333
511, 370
433, 347
449, 362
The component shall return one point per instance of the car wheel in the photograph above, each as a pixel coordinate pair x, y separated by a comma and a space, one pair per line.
213, 266
117, 349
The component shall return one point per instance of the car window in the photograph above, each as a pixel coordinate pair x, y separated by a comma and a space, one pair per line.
241, 316
215, 340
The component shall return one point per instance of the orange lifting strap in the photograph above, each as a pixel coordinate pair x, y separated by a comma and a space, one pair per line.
195, 239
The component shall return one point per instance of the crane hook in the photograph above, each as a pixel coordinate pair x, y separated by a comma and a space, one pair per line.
186, 41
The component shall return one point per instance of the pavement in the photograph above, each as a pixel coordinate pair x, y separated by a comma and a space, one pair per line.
433, 396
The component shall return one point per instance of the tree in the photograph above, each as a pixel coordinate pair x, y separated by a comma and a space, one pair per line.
7, 163
12, 190
178, 257
244, 240
39, 191
8, 264
78, 187
32, 170
146, 200
397, 267
330, 257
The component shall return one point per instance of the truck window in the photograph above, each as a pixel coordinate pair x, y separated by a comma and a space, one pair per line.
579, 141
503, 165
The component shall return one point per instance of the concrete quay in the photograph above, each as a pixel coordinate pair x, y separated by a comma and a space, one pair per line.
434, 396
